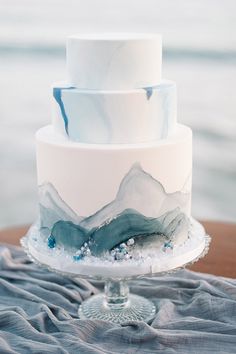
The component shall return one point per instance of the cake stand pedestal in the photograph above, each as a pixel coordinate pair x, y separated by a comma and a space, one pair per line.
116, 304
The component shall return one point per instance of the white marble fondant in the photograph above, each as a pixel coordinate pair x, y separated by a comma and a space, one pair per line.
117, 61
87, 176
134, 116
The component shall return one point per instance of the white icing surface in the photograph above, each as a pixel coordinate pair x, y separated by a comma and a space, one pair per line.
148, 260
134, 116
114, 61
88, 176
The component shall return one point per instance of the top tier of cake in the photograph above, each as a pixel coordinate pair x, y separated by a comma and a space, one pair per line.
114, 61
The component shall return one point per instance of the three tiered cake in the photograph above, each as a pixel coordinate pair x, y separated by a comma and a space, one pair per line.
114, 168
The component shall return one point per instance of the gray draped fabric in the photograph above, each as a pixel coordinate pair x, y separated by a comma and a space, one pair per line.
38, 313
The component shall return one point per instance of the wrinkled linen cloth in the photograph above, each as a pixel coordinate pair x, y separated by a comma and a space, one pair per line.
38, 313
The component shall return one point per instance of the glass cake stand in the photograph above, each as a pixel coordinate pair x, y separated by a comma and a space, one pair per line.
116, 304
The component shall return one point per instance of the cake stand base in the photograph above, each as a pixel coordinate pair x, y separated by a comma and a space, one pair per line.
117, 305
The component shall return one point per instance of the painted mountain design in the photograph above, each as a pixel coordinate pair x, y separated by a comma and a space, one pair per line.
141, 208
139, 191
52, 208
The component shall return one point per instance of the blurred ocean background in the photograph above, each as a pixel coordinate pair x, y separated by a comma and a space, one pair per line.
199, 53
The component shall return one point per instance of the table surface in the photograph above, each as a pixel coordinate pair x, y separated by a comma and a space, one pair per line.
221, 259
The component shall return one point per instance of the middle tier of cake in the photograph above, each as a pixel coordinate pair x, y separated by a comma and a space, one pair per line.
113, 192
115, 117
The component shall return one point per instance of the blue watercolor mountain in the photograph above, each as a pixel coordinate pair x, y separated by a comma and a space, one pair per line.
141, 208
139, 191
52, 208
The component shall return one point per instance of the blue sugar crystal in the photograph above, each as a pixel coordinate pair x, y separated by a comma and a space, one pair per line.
51, 242
78, 257
168, 245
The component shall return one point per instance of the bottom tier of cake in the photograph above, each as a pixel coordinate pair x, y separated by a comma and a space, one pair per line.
106, 200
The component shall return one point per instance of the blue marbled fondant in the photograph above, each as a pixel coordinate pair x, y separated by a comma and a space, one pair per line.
114, 113
116, 222
57, 95
76, 123
149, 91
